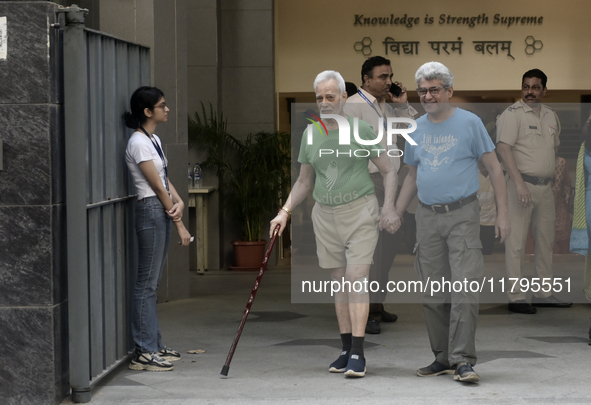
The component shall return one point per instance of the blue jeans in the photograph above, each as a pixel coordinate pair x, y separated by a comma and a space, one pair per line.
152, 226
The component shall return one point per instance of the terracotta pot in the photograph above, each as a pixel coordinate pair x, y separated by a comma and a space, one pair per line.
248, 255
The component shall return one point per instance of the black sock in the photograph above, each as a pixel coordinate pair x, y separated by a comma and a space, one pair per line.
346, 340
357, 345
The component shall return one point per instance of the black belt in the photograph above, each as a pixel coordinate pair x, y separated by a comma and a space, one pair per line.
536, 180
443, 208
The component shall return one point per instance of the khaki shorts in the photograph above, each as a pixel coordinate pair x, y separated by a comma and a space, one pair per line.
346, 234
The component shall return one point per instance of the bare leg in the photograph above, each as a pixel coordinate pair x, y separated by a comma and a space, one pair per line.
358, 303
341, 303
352, 308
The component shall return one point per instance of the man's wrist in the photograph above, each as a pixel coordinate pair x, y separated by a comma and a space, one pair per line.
286, 211
519, 182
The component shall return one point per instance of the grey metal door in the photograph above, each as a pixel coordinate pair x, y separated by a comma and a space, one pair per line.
100, 73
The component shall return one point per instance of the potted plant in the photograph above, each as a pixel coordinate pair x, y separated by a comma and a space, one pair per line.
254, 174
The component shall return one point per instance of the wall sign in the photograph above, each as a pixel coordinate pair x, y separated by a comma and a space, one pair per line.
392, 20
3, 38
401, 48
484, 46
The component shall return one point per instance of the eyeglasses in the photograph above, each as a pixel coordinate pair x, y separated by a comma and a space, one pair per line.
163, 106
433, 90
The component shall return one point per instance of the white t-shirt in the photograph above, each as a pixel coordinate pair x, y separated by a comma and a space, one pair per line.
141, 149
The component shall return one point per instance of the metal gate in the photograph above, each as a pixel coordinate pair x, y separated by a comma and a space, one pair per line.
100, 73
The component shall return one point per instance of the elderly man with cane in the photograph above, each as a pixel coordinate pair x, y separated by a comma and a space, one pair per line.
345, 216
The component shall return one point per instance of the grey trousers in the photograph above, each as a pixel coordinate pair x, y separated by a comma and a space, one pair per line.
449, 249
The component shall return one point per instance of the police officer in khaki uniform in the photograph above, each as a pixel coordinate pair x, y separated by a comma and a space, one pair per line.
527, 138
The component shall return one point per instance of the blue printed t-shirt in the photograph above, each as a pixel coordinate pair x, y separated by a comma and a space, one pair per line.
446, 156
342, 175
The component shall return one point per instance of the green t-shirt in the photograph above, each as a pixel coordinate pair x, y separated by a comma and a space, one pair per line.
341, 170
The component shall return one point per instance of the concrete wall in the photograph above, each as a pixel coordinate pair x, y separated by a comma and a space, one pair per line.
247, 61
204, 86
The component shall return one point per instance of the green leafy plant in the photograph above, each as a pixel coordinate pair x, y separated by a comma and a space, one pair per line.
254, 172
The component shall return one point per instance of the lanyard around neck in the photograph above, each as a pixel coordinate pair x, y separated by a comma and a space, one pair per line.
375, 109
161, 154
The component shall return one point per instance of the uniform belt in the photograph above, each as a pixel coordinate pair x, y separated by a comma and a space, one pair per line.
443, 208
536, 180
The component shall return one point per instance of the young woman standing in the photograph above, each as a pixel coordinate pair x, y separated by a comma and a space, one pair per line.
158, 205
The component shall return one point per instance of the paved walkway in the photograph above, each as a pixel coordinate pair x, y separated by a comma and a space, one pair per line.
285, 350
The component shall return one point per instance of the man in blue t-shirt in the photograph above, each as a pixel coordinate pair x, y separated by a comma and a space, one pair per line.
443, 169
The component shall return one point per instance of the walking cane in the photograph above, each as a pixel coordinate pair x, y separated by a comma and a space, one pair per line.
253, 293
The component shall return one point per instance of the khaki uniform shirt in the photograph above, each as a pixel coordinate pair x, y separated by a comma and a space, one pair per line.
532, 138
356, 106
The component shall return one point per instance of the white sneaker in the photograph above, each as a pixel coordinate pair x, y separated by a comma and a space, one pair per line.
168, 354
149, 362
